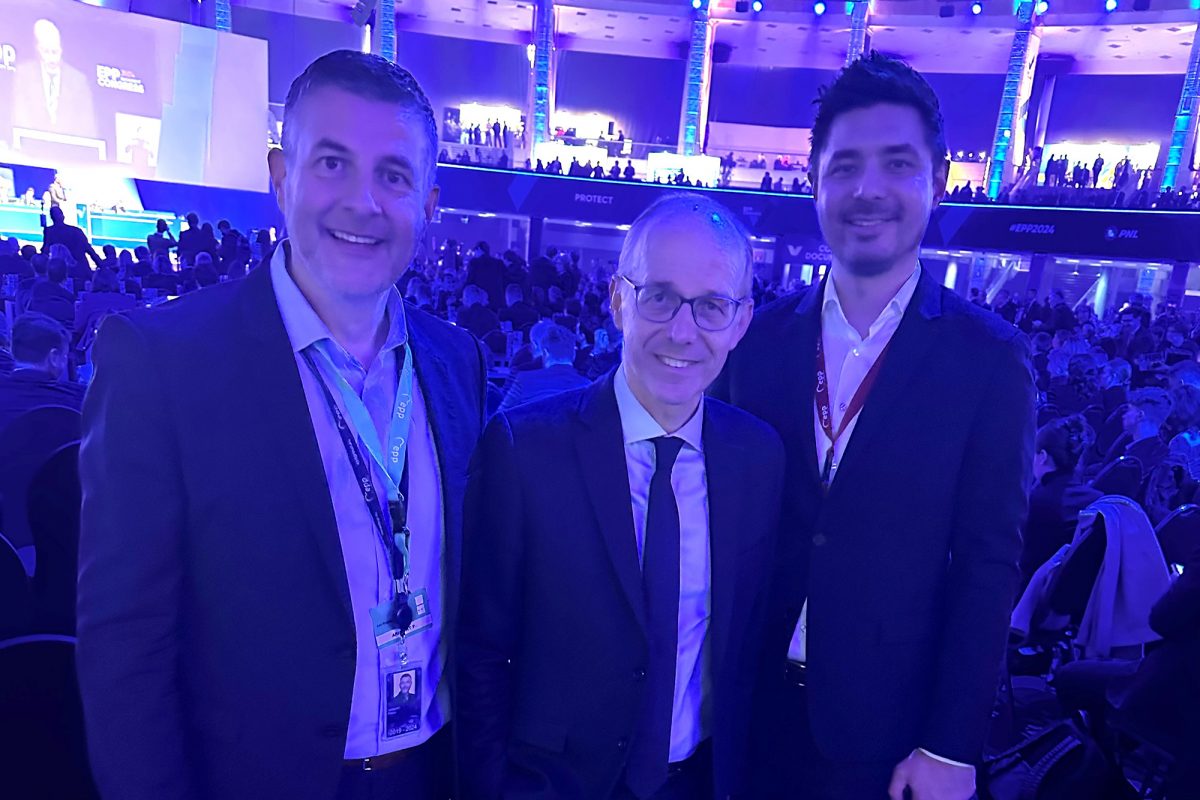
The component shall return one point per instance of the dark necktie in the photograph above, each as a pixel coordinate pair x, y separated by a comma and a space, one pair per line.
647, 768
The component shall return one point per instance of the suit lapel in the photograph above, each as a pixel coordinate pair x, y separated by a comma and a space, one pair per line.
600, 449
282, 421
451, 440
910, 344
722, 455
800, 337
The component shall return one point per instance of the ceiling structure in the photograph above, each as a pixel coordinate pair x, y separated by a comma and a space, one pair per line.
788, 34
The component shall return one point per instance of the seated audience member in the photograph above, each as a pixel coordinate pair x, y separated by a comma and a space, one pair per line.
142, 264
205, 274
11, 261
556, 347
105, 298
39, 377
1182, 428
1184, 373
1058, 495
475, 316
521, 314
1142, 423
52, 297
1042, 342
1079, 387
164, 279
111, 260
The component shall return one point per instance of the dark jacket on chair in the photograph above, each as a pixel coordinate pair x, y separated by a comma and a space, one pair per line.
1054, 506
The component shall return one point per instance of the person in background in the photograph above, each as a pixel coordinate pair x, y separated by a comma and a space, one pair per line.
520, 314
556, 347
475, 316
104, 298
190, 240
40, 351
162, 240
74, 239
1058, 494
52, 297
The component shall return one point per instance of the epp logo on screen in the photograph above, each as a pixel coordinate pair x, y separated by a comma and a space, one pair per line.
8, 58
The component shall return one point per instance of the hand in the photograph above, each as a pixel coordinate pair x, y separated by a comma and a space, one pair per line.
930, 779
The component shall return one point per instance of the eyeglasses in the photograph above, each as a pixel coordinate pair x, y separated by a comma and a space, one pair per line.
657, 303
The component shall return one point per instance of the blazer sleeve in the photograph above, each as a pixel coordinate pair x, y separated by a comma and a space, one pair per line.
982, 577
489, 613
130, 575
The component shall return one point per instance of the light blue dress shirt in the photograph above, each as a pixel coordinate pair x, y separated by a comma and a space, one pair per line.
362, 552
691, 715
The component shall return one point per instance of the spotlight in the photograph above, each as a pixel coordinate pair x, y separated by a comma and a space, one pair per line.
697, 3
756, 6
1042, 7
977, 8
818, 8
1110, 5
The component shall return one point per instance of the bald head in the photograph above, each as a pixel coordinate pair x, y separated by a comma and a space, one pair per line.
49, 44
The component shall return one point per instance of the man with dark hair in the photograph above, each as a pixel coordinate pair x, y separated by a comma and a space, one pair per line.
898, 555
237, 636
517, 311
40, 351
74, 239
11, 261
190, 240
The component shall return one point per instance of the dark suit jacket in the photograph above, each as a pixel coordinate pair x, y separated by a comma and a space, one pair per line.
26, 389
216, 643
910, 564
76, 241
76, 113
488, 274
552, 642
536, 384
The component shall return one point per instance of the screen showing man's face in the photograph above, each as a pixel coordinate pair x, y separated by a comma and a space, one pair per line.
49, 46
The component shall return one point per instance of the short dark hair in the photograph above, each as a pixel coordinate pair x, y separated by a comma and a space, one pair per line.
56, 214
870, 81
370, 76
34, 335
1065, 440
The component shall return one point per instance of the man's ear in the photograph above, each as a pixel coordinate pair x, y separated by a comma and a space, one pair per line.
277, 166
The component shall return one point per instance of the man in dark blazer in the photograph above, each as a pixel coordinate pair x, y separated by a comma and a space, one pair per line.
231, 565
899, 547
617, 549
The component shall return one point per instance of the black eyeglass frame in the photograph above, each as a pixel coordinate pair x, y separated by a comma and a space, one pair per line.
689, 301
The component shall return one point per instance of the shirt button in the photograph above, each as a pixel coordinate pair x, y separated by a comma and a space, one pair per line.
639, 674
855, 351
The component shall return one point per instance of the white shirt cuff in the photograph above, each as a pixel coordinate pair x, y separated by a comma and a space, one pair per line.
936, 757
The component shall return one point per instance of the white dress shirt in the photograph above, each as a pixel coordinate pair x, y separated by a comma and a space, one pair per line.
362, 551
691, 712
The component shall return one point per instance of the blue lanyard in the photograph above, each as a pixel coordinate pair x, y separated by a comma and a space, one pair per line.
392, 527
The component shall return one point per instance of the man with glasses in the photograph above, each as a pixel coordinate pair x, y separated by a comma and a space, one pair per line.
617, 547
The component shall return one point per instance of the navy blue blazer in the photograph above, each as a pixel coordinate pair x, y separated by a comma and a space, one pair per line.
909, 565
216, 643
552, 643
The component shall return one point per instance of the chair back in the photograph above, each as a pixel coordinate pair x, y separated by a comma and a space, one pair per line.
1072, 588
1179, 533
25, 445
41, 720
1123, 477
16, 595
53, 508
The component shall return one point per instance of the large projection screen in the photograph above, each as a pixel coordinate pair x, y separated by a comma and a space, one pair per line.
131, 96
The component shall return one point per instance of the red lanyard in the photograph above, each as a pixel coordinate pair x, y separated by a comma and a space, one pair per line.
824, 412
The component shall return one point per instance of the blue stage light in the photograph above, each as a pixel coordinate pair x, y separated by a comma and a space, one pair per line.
977, 8
1042, 7
697, 3
1110, 5
756, 6
818, 8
